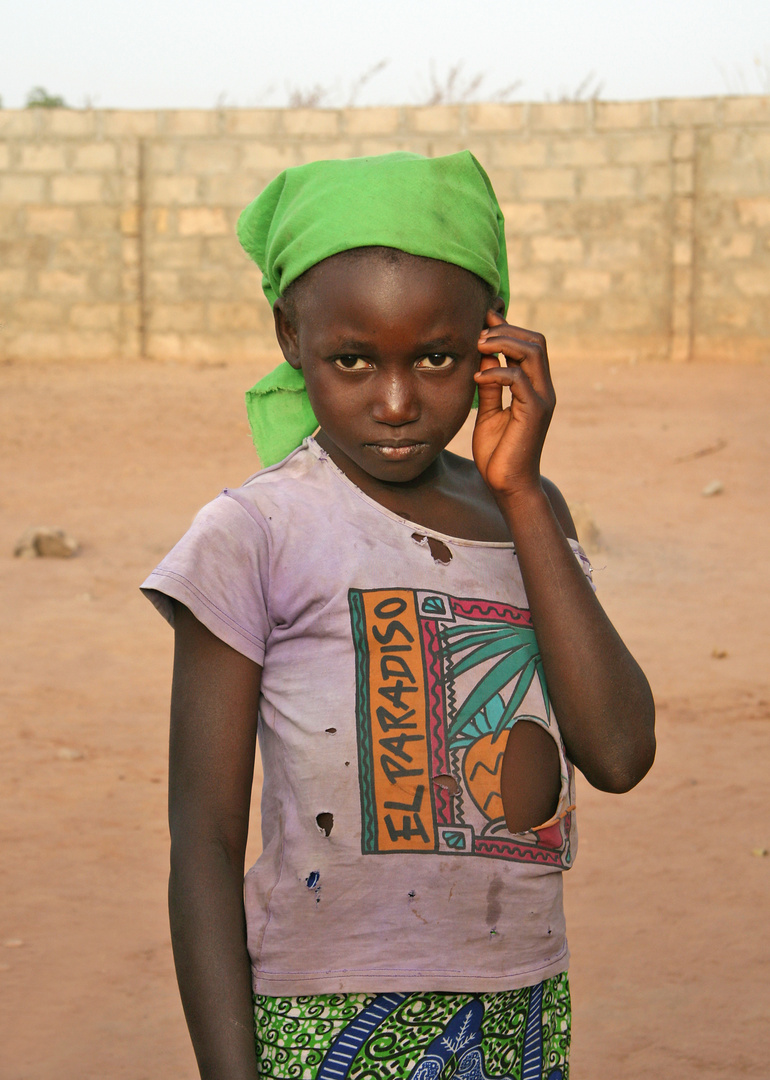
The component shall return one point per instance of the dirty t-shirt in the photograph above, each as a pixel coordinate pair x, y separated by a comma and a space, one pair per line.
393, 670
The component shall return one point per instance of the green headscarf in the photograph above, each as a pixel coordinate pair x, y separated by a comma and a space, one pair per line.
443, 208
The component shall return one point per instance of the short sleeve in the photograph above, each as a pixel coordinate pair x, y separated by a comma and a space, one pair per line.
219, 570
585, 562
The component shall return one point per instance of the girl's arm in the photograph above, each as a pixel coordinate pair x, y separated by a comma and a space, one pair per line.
213, 734
599, 693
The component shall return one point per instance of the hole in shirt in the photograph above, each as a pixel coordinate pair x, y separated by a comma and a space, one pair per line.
331, 731
530, 776
448, 783
325, 822
440, 553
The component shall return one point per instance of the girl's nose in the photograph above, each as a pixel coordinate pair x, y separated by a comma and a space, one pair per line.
396, 401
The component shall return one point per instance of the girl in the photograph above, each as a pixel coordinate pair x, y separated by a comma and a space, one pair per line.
415, 641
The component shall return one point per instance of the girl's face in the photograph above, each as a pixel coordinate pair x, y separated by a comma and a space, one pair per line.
388, 348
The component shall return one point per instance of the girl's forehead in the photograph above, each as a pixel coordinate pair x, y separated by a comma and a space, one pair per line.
371, 271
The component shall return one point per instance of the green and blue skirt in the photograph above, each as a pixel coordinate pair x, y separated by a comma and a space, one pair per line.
511, 1035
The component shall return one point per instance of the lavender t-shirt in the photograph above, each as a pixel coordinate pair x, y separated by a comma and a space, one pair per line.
393, 670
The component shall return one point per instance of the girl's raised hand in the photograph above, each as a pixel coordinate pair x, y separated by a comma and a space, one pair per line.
508, 438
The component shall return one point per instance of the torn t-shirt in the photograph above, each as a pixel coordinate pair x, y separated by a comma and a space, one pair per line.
391, 678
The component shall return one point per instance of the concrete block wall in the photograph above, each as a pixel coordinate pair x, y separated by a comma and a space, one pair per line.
635, 229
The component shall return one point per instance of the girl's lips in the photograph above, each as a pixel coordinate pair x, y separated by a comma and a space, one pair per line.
397, 451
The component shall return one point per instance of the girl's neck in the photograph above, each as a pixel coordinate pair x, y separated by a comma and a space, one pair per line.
448, 497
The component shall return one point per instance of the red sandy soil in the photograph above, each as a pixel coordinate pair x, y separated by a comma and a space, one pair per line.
668, 903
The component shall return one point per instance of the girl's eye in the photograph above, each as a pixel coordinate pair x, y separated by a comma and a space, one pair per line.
435, 362
352, 363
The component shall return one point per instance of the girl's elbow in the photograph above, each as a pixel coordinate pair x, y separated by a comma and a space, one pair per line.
628, 769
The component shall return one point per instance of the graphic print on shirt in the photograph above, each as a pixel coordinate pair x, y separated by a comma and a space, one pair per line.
440, 681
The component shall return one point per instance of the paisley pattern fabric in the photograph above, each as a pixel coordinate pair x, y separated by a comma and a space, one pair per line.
511, 1035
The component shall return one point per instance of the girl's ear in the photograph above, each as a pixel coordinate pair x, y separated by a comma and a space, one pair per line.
286, 332
498, 305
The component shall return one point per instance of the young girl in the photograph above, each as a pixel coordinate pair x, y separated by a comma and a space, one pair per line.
414, 639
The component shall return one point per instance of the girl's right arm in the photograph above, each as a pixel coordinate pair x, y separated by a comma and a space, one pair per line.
213, 737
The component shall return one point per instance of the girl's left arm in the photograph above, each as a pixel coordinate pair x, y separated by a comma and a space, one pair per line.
600, 694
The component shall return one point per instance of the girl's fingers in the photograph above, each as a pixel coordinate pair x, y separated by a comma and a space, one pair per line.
519, 346
490, 390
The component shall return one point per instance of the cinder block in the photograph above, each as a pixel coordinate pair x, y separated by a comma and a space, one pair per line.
174, 190
227, 316
43, 157
130, 122
129, 250
22, 189
525, 217
162, 155
377, 121
609, 183
547, 183
747, 110
258, 156
93, 251
176, 254
436, 119
235, 190
252, 121
179, 317
684, 213
87, 188
49, 220
631, 115
5, 157
208, 156
754, 281
646, 149
619, 314
164, 285
99, 219
514, 153
678, 112
189, 122
13, 282
62, 283
496, 116
614, 251
682, 253
530, 284
415, 144
733, 246
71, 123
36, 344
312, 150
559, 116
203, 221
19, 123
656, 181
587, 283
129, 221
754, 211
557, 249
312, 122
219, 283
89, 345
38, 312
96, 316
94, 156
684, 145
164, 346
758, 145
579, 151
684, 178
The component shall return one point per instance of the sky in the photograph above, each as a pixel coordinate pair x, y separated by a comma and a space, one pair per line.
199, 53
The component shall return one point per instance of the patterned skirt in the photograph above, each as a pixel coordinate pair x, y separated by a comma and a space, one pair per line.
510, 1035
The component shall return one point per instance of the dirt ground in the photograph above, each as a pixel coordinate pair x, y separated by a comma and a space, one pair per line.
668, 903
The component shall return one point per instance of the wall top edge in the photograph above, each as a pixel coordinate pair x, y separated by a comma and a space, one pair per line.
713, 99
